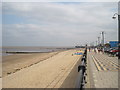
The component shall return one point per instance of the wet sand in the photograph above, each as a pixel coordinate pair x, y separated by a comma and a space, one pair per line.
53, 72
16, 62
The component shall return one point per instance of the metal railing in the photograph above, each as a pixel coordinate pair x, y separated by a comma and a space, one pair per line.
81, 80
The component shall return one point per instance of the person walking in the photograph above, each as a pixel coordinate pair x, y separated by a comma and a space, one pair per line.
89, 49
103, 50
95, 50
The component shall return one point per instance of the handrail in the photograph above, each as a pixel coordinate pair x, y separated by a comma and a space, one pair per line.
81, 69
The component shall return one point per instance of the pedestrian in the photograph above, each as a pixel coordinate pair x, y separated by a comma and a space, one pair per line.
98, 50
95, 50
89, 49
103, 50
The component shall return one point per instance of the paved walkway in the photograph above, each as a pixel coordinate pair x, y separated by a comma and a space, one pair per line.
102, 71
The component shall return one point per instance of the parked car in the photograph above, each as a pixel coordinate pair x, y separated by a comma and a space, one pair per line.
106, 50
114, 52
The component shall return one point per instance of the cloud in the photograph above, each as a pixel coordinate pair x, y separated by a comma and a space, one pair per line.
62, 24
60, 1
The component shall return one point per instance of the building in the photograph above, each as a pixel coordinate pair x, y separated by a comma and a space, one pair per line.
113, 44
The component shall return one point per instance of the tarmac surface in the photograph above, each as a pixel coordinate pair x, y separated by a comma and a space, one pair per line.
102, 71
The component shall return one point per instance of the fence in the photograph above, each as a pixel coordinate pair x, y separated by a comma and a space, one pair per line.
82, 69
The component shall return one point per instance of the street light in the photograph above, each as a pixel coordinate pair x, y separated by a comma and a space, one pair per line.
114, 17
98, 41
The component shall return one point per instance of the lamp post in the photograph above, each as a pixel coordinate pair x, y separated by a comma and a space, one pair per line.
114, 17
98, 41
102, 38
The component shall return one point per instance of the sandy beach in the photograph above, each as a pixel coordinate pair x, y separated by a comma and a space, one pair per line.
44, 70
16, 62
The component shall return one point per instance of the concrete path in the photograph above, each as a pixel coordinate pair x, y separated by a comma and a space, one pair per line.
102, 71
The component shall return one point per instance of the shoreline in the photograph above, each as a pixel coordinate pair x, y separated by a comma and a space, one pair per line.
30, 50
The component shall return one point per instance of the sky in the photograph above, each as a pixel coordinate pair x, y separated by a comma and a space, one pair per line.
59, 0
57, 24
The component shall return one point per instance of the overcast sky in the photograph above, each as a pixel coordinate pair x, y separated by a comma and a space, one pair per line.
57, 24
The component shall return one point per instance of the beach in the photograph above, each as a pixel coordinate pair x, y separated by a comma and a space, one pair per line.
16, 62
41, 70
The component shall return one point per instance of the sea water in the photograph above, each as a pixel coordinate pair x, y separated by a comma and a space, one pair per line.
28, 49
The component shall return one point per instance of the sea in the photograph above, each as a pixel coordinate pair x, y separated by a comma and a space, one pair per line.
29, 49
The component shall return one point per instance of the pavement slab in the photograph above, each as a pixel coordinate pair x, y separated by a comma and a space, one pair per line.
102, 71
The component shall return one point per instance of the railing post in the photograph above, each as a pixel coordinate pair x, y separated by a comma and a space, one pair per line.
81, 69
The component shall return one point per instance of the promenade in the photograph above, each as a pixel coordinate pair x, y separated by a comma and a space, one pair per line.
102, 70
61, 71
